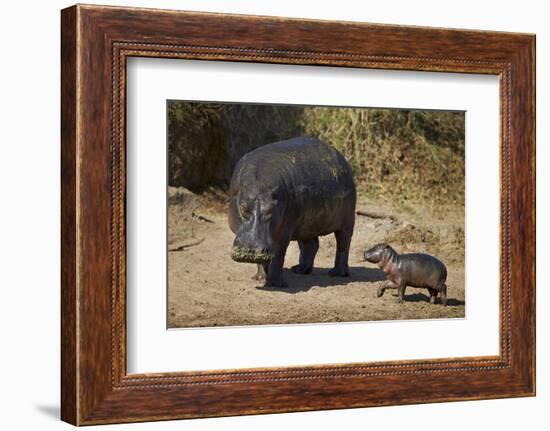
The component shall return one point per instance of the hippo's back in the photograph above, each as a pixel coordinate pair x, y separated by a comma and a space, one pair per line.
302, 162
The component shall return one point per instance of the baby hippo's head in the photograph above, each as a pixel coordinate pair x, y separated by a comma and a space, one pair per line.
377, 253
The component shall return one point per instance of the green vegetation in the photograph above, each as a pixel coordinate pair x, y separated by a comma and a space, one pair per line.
401, 155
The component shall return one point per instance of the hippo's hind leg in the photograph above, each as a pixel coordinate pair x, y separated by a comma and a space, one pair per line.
443, 293
433, 294
343, 241
308, 250
401, 292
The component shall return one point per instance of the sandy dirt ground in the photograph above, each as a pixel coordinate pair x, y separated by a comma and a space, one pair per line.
207, 288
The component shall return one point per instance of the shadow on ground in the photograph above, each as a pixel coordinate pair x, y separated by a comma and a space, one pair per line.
320, 278
420, 297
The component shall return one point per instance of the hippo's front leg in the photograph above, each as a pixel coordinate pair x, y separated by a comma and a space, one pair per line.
275, 268
388, 284
261, 273
308, 250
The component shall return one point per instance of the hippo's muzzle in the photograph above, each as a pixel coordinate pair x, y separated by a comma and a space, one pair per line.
369, 257
251, 255
376, 253
253, 240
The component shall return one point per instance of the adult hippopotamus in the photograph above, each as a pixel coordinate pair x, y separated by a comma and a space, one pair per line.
409, 269
291, 190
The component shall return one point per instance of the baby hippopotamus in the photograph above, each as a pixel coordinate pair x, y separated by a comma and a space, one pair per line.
409, 269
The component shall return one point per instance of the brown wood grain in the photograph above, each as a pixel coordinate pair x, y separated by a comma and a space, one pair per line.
69, 366
96, 41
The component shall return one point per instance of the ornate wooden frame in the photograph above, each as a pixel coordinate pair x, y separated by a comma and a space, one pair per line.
95, 43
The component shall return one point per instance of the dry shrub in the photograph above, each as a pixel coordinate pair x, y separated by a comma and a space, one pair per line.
399, 155
198, 156
206, 140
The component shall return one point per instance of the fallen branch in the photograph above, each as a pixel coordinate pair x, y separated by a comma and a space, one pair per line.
184, 246
201, 218
377, 215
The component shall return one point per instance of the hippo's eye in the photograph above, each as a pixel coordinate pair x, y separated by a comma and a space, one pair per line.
243, 209
267, 210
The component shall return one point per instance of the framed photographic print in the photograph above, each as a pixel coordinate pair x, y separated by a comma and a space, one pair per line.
265, 215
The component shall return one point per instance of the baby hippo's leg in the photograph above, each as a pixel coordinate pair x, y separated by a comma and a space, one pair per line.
388, 284
433, 294
401, 292
308, 250
443, 290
